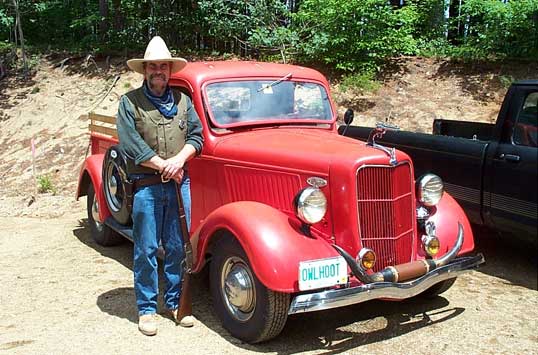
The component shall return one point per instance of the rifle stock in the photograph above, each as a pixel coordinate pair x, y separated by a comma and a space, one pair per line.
185, 299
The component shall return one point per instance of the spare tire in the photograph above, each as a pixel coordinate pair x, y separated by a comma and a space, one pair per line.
118, 198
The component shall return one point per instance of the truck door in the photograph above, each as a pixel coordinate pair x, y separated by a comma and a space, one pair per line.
511, 172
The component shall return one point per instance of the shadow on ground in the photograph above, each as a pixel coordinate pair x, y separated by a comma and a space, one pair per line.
512, 259
334, 331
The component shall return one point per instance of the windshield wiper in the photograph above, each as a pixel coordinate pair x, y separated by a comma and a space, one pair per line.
264, 87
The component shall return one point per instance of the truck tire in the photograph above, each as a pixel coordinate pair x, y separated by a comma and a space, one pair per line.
101, 233
247, 309
438, 288
114, 175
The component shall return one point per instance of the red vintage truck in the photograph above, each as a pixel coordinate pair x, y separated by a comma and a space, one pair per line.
288, 215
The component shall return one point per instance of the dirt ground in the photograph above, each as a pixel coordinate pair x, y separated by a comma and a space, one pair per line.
62, 293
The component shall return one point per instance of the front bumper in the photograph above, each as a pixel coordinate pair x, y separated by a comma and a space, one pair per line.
348, 296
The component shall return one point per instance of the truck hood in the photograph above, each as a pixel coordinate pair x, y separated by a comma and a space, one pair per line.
314, 150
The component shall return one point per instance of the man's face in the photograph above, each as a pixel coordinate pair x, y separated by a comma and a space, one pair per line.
157, 75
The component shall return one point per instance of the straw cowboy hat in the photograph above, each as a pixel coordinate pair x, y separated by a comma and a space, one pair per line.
156, 51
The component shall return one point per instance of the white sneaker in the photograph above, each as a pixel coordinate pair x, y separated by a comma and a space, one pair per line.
147, 324
187, 321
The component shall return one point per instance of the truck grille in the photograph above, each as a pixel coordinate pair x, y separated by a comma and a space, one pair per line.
385, 206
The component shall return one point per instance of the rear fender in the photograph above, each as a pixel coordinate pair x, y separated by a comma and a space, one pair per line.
91, 173
271, 240
446, 217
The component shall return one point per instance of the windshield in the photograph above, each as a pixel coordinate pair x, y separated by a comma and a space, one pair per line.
241, 103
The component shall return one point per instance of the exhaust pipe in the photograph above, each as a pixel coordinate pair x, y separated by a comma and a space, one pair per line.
403, 272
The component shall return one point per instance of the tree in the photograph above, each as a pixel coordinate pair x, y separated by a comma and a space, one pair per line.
18, 30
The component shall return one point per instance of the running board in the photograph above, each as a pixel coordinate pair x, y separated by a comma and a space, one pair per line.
127, 232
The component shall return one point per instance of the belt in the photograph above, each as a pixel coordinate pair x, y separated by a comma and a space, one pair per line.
152, 180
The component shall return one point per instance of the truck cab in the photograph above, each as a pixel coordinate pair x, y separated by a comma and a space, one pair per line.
288, 215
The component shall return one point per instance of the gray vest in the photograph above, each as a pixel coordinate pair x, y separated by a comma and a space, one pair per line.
165, 136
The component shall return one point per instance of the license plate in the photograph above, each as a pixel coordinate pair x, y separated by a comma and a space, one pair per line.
322, 273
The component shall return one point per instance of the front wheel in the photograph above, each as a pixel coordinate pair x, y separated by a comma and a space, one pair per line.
101, 233
247, 309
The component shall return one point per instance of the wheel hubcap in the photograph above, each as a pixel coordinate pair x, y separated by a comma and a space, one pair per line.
238, 288
95, 214
113, 190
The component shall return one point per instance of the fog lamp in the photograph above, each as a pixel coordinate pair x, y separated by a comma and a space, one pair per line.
366, 258
431, 244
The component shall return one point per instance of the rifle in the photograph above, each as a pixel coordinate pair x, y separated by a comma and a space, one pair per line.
185, 299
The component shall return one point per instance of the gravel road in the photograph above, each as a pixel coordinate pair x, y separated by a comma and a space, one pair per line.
63, 294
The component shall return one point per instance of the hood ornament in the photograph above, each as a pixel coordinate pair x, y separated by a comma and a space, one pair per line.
378, 132
317, 182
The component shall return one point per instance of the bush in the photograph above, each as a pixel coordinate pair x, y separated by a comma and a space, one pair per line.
493, 27
354, 35
360, 82
44, 184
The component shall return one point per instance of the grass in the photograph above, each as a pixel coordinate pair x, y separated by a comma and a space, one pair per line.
44, 184
360, 82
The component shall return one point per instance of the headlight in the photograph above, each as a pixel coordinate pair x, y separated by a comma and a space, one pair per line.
311, 205
430, 189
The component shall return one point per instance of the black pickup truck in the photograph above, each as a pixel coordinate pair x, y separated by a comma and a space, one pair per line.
490, 169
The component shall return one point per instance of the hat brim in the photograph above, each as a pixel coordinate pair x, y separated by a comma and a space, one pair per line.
137, 65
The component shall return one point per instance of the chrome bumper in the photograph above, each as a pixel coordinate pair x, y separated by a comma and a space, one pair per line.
348, 296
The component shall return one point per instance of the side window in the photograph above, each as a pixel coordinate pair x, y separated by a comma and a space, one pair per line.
526, 130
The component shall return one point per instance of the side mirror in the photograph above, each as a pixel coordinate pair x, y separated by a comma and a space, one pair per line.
348, 116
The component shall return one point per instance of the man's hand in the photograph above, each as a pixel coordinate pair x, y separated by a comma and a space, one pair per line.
174, 168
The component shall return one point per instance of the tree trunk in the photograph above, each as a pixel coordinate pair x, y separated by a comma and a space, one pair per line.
446, 16
103, 23
21, 36
118, 16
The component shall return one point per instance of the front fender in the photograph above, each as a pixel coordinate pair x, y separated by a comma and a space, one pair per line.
272, 241
91, 173
446, 217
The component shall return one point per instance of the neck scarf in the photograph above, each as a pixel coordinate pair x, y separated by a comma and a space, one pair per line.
165, 103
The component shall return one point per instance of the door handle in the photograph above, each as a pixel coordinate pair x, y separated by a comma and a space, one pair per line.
510, 157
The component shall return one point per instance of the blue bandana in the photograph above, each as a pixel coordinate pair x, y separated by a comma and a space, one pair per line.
165, 103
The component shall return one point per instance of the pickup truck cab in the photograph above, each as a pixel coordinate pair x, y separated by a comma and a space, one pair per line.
490, 169
289, 216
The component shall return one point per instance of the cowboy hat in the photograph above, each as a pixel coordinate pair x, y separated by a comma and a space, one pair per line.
157, 51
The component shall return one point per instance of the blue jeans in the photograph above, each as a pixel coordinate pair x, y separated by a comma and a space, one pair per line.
156, 220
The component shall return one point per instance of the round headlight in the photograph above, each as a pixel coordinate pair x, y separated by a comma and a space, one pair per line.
430, 189
311, 205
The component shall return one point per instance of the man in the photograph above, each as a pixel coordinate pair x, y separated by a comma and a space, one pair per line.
159, 131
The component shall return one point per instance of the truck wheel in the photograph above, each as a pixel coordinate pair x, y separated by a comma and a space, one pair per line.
247, 309
101, 233
114, 167
438, 288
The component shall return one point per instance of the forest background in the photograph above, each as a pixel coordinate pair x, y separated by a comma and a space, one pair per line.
353, 37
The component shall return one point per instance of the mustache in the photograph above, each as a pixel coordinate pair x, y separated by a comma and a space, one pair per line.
158, 75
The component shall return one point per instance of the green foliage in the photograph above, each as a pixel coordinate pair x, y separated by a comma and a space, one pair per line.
506, 80
496, 28
349, 35
355, 35
360, 82
44, 184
